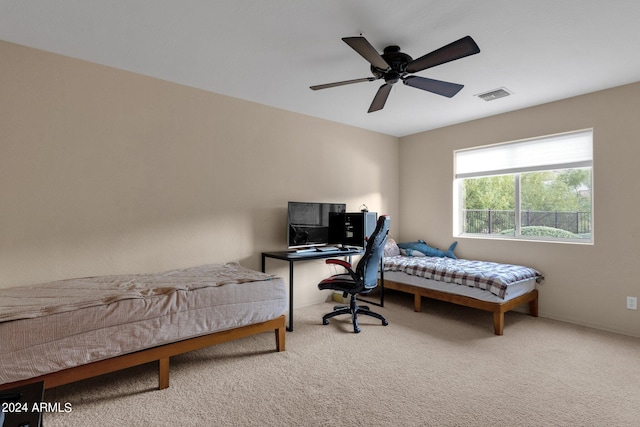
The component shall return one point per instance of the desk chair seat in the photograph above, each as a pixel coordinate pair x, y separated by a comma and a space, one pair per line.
361, 281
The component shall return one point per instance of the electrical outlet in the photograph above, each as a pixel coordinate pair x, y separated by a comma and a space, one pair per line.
632, 303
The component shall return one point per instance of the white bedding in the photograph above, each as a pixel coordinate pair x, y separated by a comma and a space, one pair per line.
60, 339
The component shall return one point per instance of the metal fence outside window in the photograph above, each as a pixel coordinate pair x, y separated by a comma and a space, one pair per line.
496, 221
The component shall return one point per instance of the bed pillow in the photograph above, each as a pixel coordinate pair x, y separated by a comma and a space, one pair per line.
391, 248
423, 248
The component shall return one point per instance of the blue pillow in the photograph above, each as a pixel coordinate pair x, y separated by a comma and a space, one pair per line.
422, 247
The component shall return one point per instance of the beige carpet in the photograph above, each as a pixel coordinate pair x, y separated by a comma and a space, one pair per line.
442, 367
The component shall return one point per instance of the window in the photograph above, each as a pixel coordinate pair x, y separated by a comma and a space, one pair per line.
533, 189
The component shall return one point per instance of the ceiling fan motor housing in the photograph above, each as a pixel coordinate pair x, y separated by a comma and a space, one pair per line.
397, 62
393, 65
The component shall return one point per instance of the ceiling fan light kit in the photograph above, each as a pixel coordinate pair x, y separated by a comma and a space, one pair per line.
394, 66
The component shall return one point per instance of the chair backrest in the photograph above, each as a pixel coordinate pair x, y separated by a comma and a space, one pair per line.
367, 267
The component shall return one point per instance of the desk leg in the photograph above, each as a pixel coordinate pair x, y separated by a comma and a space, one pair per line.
290, 328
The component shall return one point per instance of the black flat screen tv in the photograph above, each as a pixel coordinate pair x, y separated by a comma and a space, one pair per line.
309, 223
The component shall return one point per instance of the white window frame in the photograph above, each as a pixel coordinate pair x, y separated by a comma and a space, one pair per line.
569, 150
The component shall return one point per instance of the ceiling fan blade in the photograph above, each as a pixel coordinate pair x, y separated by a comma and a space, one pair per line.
346, 82
466, 46
368, 52
380, 99
435, 86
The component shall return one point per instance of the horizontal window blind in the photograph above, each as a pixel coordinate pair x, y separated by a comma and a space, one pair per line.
562, 151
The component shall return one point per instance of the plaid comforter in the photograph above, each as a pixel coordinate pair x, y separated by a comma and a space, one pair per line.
490, 276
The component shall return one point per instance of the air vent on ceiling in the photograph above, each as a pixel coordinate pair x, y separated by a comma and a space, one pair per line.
494, 94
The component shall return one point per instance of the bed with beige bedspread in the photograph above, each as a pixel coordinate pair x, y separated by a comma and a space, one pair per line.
73, 329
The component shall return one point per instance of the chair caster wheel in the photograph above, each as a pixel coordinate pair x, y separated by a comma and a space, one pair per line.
385, 323
357, 330
325, 322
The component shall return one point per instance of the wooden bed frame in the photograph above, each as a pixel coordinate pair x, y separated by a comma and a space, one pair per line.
498, 309
161, 354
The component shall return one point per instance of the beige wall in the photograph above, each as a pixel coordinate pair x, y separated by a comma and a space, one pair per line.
104, 171
585, 284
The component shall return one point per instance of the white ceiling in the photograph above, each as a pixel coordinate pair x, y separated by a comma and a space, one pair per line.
271, 51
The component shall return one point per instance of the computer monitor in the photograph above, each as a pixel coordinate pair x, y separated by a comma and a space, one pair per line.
308, 223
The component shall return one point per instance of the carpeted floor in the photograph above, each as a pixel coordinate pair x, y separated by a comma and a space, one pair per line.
441, 367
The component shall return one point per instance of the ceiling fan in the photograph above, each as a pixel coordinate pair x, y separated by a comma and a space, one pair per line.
393, 66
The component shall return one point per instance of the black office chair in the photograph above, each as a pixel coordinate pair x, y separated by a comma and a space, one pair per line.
361, 281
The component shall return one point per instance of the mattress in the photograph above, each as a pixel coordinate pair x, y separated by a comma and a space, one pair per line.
490, 276
513, 291
36, 339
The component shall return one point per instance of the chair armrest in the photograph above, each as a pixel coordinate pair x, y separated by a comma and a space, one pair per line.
344, 264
